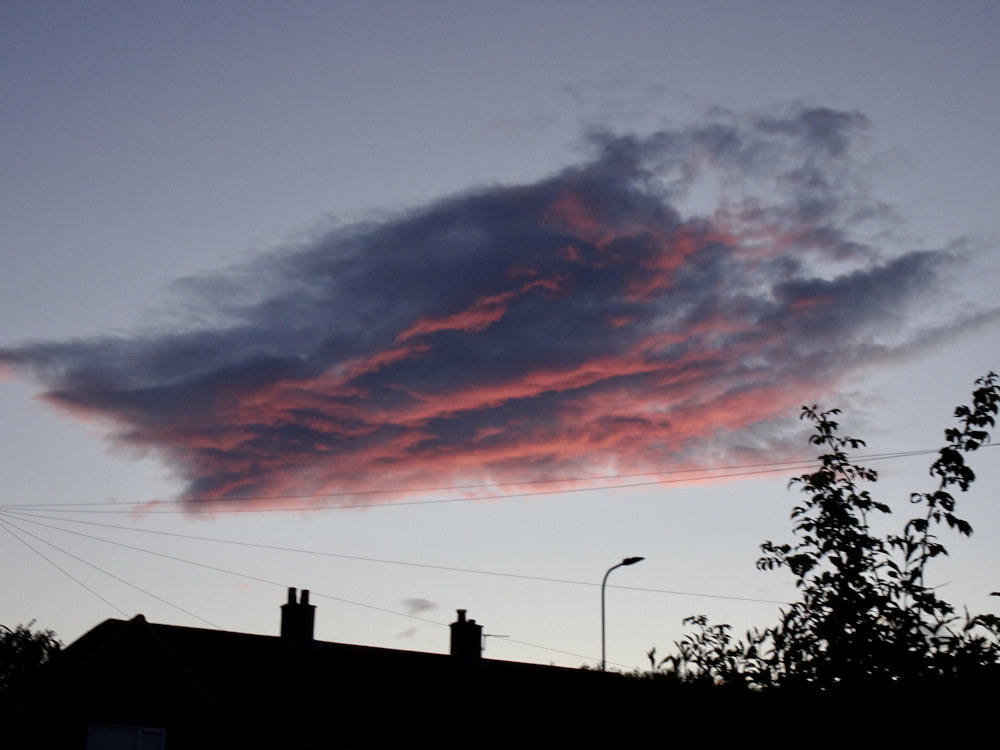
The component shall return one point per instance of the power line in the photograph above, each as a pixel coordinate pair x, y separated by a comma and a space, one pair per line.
24, 516
112, 575
728, 472
61, 570
764, 468
451, 488
783, 466
215, 568
510, 496
261, 580
438, 501
567, 653
67, 507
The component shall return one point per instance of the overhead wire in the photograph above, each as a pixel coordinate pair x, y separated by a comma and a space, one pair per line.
215, 568
18, 512
60, 569
112, 575
272, 583
781, 466
558, 651
399, 504
451, 488
727, 472
25, 517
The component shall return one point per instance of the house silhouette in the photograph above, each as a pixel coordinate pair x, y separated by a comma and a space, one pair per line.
137, 684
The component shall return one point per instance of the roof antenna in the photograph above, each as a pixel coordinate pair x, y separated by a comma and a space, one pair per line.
491, 635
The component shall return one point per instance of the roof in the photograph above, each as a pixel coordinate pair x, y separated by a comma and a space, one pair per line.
256, 690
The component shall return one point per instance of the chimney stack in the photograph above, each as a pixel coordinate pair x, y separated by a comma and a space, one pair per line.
298, 618
466, 638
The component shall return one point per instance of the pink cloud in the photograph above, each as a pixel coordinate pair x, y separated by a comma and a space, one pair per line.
520, 333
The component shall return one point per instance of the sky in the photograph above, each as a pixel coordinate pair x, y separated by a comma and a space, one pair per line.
455, 305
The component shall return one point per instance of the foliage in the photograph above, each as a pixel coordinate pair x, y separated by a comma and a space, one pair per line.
711, 656
23, 653
866, 617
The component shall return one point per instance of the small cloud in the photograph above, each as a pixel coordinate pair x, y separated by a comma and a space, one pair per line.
417, 606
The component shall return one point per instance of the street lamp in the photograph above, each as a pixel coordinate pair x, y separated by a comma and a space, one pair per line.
626, 561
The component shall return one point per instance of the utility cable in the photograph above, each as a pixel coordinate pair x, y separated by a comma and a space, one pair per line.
112, 575
274, 583
567, 653
769, 467
371, 506
24, 517
452, 488
61, 570
224, 570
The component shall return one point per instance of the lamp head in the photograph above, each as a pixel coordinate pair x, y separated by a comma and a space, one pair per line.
632, 560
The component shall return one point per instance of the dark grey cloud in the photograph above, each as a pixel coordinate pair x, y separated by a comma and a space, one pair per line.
418, 605
511, 332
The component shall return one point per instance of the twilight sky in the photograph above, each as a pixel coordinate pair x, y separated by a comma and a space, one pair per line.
270, 260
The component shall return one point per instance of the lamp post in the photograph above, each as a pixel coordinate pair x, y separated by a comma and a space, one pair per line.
626, 561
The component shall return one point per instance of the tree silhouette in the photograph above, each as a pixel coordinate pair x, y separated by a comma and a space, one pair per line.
23, 653
866, 617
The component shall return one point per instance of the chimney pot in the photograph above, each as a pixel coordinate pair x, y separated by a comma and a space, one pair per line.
466, 638
298, 618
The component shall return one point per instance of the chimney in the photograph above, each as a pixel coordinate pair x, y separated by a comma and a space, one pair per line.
297, 618
466, 638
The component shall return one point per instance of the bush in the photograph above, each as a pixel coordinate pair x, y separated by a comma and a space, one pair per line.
866, 618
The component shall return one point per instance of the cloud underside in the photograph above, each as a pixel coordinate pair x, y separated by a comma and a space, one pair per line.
599, 320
